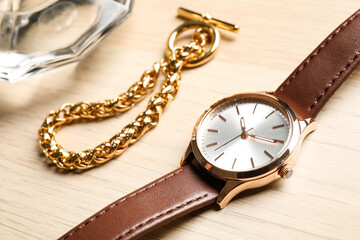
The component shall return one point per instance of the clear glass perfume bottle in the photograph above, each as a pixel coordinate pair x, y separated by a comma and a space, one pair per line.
37, 35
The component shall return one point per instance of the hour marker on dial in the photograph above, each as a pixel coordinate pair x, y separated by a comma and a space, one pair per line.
213, 130
254, 108
237, 110
252, 162
268, 154
278, 126
211, 144
233, 164
269, 114
218, 157
222, 117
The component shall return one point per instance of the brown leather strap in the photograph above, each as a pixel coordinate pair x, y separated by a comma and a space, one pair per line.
317, 78
167, 198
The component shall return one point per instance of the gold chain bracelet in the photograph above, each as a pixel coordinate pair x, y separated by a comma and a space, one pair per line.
199, 50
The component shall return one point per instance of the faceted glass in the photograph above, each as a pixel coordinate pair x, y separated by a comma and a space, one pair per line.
37, 35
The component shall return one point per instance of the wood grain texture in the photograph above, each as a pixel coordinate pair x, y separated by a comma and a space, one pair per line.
320, 201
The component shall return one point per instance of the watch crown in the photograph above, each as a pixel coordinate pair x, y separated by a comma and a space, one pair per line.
285, 172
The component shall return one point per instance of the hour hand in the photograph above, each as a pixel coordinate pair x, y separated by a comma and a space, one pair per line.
242, 124
265, 139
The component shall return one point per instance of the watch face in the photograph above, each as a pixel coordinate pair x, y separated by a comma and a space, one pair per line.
243, 133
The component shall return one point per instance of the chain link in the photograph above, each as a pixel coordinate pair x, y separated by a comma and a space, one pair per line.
170, 67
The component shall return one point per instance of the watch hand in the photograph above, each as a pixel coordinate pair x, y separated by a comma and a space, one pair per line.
266, 139
248, 130
242, 124
244, 133
228, 141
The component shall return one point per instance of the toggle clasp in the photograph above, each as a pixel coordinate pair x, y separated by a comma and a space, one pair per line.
205, 21
207, 17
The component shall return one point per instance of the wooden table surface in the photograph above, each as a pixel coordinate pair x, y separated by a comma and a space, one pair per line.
320, 201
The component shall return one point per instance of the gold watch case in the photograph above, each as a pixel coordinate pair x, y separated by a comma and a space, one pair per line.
236, 182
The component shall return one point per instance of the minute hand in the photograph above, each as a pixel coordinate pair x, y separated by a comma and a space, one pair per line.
266, 139
244, 133
228, 142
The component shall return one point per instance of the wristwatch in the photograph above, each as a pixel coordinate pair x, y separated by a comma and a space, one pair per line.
241, 142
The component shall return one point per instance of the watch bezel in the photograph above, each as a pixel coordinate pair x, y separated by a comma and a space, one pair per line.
280, 159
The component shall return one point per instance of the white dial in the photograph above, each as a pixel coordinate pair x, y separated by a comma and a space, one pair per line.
242, 134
